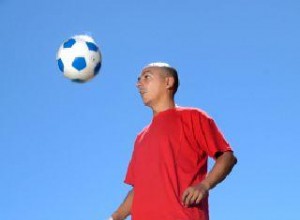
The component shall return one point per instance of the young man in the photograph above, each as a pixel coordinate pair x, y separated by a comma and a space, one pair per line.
168, 168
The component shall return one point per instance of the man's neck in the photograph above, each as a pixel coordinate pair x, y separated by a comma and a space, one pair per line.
163, 107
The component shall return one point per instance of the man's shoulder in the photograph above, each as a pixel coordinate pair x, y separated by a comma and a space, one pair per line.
192, 111
144, 130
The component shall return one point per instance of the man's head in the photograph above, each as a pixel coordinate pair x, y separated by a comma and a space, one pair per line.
157, 82
169, 71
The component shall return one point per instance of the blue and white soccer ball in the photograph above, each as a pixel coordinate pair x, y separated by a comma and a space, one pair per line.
79, 58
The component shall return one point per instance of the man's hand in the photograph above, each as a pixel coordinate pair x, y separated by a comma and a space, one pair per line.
194, 194
222, 167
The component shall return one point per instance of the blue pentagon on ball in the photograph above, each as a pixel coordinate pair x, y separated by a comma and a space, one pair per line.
78, 81
69, 43
79, 63
97, 68
60, 65
92, 46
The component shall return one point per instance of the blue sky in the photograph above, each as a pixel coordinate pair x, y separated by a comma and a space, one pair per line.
64, 147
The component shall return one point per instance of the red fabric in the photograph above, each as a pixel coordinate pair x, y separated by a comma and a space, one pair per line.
170, 155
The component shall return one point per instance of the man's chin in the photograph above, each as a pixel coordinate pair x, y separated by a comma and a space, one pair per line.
146, 102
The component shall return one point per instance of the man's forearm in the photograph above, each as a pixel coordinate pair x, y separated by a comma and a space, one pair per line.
222, 167
125, 208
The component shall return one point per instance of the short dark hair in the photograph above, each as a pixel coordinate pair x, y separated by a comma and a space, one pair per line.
171, 71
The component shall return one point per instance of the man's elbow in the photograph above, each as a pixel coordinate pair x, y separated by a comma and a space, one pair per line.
234, 160
231, 159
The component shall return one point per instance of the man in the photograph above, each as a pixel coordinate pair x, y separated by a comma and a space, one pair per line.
168, 168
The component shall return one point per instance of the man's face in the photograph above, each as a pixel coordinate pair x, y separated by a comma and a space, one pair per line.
151, 85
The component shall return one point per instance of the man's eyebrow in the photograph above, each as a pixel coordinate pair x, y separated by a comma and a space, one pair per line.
146, 71
143, 73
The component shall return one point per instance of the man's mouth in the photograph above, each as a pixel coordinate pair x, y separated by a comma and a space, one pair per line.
142, 92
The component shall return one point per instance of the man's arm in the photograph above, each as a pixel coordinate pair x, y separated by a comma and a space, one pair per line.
125, 208
222, 167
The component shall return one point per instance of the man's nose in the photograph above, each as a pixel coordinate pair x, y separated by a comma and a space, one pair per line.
138, 84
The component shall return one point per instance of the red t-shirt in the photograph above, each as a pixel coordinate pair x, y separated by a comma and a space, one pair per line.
170, 155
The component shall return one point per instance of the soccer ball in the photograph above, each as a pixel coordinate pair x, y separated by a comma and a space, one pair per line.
79, 58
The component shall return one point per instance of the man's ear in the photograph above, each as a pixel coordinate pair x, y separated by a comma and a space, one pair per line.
170, 82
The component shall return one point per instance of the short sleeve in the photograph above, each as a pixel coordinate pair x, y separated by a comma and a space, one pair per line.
129, 178
208, 136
